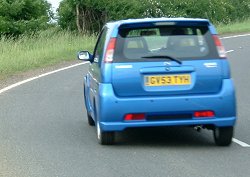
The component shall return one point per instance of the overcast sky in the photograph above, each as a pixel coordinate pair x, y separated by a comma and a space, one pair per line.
55, 3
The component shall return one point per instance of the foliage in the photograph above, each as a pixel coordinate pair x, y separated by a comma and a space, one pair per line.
90, 15
54, 46
39, 50
217, 11
67, 15
20, 16
235, 27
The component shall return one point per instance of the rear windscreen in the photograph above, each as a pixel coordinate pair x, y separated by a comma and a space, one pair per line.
180, 42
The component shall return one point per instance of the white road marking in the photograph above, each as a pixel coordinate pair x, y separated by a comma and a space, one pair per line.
241, 143
72, 66
229, 37
37, 77
229, 51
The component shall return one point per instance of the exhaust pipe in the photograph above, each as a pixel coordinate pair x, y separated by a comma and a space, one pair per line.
198, 128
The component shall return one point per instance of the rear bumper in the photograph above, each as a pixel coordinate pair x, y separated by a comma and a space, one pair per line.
111, 109
119, 126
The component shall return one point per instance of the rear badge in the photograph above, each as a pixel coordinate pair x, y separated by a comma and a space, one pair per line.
210, 65
123, 66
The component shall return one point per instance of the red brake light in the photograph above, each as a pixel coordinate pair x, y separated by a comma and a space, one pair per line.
129, 117
110, 51
204, 114
220, 47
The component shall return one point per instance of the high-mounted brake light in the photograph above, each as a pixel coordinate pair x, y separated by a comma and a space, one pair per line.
220, 47
110, 51
129, 117
199, 114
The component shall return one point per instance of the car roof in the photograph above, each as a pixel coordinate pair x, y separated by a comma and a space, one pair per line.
163, 19
116, 24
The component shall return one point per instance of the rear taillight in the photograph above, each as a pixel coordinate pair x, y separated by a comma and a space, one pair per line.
110, 51
219, 46
129, 117
200, 114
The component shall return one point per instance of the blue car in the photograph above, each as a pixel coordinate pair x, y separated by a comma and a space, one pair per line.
156, 72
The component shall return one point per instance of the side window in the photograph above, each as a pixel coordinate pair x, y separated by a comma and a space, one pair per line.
99, 49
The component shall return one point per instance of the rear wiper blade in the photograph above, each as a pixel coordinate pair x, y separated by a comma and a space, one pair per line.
164, 56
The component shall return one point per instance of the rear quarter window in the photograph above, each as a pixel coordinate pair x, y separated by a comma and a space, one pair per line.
181, 42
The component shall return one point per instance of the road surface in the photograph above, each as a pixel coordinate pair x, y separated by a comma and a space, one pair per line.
44, 133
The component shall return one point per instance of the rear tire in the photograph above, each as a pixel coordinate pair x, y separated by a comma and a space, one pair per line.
223, 135
104, 138
90, 120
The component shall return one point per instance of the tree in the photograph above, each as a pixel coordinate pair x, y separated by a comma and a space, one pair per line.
20, 16
90, 15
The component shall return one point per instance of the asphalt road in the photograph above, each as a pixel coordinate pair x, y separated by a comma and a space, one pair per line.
44, 132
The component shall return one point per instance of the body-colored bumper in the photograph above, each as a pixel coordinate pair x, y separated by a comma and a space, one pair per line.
112, 109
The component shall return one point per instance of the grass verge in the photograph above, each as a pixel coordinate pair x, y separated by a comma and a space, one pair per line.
237, 27
43, 49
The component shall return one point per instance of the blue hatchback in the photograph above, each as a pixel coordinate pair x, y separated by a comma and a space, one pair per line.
159, 72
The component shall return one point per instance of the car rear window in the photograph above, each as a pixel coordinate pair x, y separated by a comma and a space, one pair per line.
181, 42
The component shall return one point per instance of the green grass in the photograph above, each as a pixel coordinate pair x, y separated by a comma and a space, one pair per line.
237, 27
53, 46
41, 50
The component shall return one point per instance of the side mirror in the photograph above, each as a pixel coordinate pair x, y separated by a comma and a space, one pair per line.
84, 55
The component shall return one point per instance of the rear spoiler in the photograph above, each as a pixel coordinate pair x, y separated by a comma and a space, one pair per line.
164, 23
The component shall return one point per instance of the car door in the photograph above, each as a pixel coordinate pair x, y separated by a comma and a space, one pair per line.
95, 67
